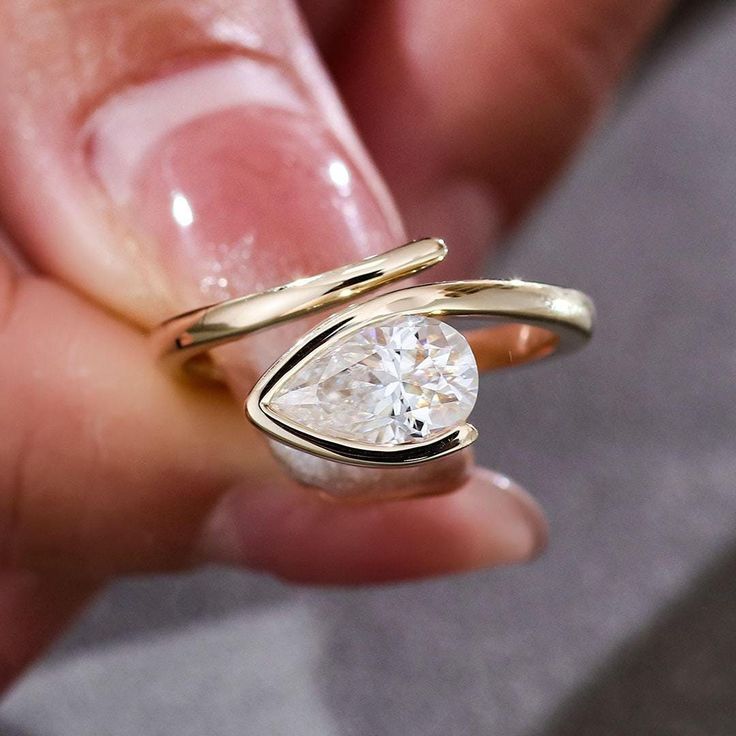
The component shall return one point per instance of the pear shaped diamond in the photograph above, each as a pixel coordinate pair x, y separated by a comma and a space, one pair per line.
404, 380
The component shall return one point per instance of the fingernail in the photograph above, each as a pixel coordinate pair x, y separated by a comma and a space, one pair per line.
220, 539
517, 528
236, 179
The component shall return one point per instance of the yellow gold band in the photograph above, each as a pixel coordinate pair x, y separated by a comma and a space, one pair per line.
191, 334
529, 321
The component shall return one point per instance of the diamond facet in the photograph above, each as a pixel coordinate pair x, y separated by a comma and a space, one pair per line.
404, 380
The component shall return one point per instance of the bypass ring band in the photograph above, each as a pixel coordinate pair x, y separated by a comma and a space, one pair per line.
385, 382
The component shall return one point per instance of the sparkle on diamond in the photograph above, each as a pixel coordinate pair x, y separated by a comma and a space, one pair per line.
403, 380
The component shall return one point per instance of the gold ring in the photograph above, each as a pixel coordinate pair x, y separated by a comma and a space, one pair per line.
385, 382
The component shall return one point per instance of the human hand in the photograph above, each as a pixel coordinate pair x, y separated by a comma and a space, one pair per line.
155, 156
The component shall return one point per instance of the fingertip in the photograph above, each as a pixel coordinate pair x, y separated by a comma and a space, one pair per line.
525, 526
292, 533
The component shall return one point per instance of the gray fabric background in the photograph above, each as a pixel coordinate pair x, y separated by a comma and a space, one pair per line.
628, 624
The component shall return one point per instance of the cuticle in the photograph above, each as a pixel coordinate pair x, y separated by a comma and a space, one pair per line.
175, 64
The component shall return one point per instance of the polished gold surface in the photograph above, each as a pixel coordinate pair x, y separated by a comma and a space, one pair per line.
553, 320
527, 321
188, 335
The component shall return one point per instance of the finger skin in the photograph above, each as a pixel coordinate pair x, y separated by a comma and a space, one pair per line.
499, 93
108, 465
374, 543
328, 19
